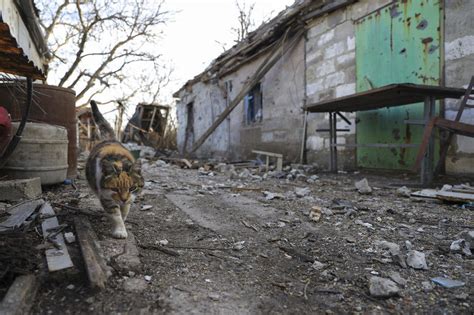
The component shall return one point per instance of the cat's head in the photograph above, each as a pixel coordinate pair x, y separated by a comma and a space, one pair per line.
122, 179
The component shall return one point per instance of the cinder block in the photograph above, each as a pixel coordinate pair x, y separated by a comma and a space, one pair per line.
12, 190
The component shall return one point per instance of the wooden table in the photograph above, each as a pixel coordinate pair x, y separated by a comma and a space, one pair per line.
386, 96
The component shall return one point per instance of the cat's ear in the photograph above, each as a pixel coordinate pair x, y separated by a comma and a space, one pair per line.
110, 167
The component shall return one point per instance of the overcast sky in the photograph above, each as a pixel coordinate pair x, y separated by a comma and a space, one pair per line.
190, 42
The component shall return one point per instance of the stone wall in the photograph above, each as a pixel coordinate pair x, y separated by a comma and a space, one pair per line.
459, 68
331, 73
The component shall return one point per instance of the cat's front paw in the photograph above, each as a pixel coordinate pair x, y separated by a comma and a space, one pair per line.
120, 233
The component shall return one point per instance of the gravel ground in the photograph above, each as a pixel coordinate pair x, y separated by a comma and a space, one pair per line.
256, 244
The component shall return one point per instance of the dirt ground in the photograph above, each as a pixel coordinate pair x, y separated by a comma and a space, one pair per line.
243, 251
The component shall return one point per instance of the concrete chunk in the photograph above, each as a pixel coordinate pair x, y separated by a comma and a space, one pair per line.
13, 190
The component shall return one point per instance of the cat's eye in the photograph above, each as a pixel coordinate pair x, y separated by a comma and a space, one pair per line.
114, 189
133, 188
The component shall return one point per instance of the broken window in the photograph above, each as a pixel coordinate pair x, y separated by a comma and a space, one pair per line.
253, 105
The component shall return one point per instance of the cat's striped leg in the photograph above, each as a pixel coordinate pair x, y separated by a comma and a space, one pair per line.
124, 210
115, 216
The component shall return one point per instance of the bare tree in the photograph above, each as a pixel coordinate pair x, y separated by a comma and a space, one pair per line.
106, 47
245, 20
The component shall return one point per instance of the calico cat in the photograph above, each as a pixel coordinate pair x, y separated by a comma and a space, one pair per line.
113, 175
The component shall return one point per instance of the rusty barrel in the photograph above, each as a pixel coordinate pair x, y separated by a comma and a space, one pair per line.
52, 105
42, 152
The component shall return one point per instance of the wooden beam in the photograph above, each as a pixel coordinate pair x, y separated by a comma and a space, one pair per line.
279, 50
94, 263
20, 296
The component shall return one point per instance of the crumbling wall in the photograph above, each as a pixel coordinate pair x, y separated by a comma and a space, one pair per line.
331, 73
209, 101
279, 131
459, 68
283, 92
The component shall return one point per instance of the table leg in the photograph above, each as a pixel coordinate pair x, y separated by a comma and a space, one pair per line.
428, 159
332, 141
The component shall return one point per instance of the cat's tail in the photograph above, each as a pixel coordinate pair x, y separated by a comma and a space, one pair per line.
106, 131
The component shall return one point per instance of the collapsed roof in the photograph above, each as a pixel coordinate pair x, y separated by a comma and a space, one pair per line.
286, 23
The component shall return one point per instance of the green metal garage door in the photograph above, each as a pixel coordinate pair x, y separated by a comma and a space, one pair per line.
396, 44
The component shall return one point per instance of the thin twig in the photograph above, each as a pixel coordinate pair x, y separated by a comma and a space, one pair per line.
305, 288
161, 249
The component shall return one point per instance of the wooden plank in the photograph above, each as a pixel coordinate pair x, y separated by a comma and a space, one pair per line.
57, 259
456, 127
455, 196
19, 213
268, 153
20, 296
93, 261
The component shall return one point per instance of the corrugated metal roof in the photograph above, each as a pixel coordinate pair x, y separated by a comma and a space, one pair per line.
23, 50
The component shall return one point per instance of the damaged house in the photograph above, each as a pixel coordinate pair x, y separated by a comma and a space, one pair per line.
259, 94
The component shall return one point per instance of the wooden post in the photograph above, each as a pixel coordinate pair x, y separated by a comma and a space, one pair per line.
303, 139
427, 163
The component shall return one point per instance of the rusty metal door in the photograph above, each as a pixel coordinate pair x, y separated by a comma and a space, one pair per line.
398, 43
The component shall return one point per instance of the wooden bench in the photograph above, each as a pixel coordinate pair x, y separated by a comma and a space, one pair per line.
278, 156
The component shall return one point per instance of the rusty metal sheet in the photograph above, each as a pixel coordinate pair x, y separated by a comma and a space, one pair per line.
398, 43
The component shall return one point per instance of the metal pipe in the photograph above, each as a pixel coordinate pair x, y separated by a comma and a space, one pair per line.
17, 137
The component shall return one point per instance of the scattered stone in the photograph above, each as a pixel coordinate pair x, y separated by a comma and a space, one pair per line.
367, 225
163, 242
161, 163
301, 177
245, 173
326, 211
427, 286
461, 246
70, 287
393, 248
147, 278
302, 192
404, 191
395, 276
315, 214
416, 260
382, 287
363, 187
317, 265
447, 283
69, 237
146, 207
446, 187
214, 296
408, 245
270, 196
135, 285
350, 239
312, 179
238, 245
462, 296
